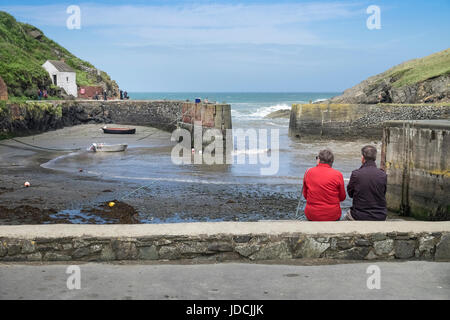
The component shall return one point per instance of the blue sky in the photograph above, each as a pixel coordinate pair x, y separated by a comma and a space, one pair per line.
282, 46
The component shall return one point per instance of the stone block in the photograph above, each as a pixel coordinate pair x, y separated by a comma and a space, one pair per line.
242, 239
362, 242
107, 254
124, 250
14, 248
371, 255
310, 248
81, 253
378, 237
66, 246
37, 256
95, 248
344, 244
148, 253
28, 246
355, 253
80, 243
427, 246
220, 246
3, 249
271, 251
404, 249
170, 253
384, 247
246, 250
443, 248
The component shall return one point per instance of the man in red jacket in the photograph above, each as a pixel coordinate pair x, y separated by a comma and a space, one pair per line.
323, 189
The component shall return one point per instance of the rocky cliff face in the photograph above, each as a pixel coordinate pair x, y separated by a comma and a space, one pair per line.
3, 90
425, 80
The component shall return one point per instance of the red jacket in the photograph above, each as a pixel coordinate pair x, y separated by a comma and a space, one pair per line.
323, 189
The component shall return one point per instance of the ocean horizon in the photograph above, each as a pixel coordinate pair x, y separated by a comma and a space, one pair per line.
246, 106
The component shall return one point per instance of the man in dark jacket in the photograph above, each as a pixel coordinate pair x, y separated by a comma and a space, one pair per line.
367, 187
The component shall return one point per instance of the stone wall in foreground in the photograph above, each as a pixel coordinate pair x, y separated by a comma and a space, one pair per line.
342, 121
223, 247
416, 157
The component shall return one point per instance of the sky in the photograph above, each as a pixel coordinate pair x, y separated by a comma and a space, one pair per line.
241, 46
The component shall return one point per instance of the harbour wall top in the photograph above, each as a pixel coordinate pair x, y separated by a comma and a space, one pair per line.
39, 116
342, 121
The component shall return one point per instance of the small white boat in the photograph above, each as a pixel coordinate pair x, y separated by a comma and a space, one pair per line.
101, 147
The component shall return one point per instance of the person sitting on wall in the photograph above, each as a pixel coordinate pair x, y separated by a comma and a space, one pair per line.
367, 187
323, 189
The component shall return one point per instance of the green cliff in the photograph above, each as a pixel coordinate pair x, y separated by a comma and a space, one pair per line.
424, 80
23, 50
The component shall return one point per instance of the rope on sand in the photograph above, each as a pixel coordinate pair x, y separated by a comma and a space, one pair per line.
44, 148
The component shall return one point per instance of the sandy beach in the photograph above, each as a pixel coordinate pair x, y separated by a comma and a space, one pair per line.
78, 196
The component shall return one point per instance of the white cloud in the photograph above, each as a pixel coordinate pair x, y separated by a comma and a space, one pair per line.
288, 23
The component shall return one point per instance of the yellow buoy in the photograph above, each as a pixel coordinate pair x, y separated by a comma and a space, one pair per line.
111, 204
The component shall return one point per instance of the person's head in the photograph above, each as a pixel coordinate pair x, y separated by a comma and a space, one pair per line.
368, 153
326, 157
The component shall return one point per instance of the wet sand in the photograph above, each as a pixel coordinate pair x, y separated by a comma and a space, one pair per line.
78, 197
75, 195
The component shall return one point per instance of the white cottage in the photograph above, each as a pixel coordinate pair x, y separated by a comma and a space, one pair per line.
62, 76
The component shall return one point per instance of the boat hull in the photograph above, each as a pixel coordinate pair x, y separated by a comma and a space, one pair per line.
119, 130
108, 148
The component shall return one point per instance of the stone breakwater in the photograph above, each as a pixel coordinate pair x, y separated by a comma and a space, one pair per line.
416, 157
35, 117
228, 242
341, 121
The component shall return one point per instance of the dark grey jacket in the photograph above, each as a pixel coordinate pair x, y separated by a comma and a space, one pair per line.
367, 187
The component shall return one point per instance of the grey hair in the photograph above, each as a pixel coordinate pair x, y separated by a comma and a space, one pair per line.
326, 156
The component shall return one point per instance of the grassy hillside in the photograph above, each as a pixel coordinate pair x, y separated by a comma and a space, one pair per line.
23, 50
418, 70
424, 80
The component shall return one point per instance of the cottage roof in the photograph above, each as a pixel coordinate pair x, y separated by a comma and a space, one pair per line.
61, 66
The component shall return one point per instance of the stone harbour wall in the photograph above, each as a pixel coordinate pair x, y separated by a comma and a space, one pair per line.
218, 246
35, 117
342, 121
416, 157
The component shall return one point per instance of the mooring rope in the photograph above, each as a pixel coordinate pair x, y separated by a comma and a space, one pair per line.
44, 148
